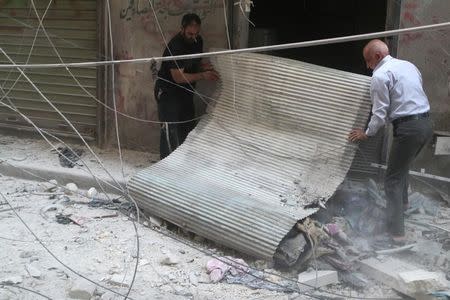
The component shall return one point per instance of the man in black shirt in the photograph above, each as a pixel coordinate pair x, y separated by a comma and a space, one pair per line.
176, 80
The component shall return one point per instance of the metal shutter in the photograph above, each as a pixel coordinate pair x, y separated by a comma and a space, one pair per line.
72, 27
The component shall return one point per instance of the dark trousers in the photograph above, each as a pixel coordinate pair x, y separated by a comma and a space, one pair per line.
409, 139
174, 106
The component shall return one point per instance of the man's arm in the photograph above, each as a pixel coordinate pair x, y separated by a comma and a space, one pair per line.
179, 76
379, 91
381, 102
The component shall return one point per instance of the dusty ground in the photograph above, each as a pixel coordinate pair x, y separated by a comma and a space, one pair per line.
99, 248
39, 153
102, 246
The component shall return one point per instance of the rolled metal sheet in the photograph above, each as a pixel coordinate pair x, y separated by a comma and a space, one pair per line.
273, 145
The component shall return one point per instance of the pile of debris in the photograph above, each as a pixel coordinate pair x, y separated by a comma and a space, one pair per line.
350, 240
347, 244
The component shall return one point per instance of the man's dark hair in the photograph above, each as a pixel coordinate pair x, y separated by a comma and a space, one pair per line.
189, 19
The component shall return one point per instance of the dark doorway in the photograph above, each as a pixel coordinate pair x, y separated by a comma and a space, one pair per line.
303, 20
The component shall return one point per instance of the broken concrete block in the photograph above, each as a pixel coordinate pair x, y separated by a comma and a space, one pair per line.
289, 250
33, 270
91, 193
170, 260
143, 262
71, 188
49, 186
403, 277
193, 279
312, 279
82, 289
11, 280
118, 280
421, 280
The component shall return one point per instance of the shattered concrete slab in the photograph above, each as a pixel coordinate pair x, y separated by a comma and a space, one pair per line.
404, 277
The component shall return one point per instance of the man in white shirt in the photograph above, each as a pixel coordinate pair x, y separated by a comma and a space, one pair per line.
398, 97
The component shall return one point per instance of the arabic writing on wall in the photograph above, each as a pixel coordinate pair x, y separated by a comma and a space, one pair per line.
168, 8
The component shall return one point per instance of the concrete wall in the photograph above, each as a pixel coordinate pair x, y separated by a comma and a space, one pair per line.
430, 52
136, 35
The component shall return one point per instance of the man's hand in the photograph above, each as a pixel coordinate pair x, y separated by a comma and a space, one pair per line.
206, 66
210, 75
357, 135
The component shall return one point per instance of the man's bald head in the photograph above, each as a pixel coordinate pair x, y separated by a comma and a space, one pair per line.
374, 52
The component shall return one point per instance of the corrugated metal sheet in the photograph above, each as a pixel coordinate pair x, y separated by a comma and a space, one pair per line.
72, 26
275, 142
370, 151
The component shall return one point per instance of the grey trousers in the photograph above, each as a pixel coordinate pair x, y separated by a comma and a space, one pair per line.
409, 139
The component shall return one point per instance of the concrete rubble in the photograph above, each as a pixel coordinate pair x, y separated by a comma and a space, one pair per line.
82, 289
92, 233
33, 270
404, 277
170, 259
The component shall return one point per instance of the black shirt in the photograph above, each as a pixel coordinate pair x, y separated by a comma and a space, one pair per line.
179, 46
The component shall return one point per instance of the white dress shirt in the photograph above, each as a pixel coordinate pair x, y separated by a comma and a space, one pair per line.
396, 91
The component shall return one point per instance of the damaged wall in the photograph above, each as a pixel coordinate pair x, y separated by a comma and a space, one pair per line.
430, 52
136, 35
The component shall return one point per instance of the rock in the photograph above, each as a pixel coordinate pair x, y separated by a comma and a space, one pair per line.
82, 289
49, 186
290, 250
171, 277
423, 204
11, 280
118, 280
193, 279
91, 193
34, 270
143, 262
170, 259
71, 188
204, 278
26, 254
114, 270
421, 281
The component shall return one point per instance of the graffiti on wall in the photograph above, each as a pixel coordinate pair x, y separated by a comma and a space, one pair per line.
168, 8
